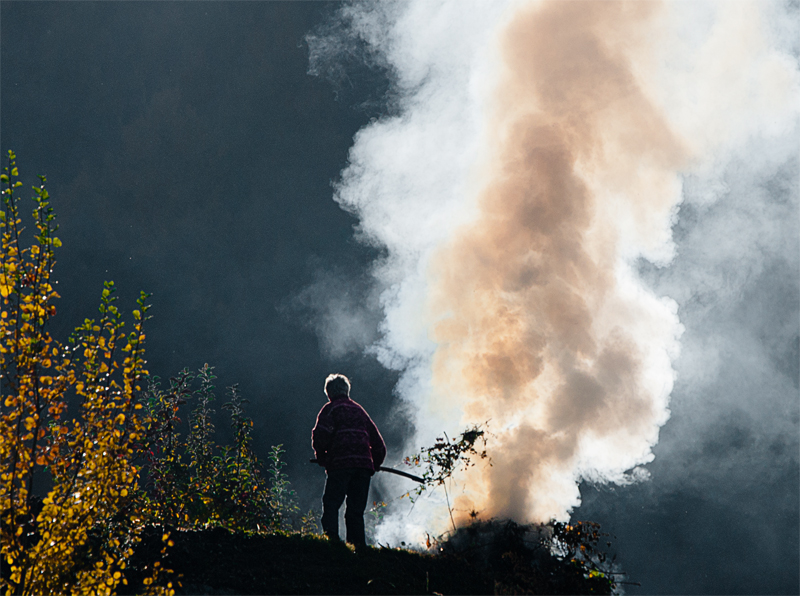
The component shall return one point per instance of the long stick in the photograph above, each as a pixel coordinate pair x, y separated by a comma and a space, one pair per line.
391, 471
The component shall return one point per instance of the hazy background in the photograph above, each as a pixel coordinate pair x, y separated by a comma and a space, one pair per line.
190, 154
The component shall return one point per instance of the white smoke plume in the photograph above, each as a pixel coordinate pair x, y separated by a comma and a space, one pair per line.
538, 154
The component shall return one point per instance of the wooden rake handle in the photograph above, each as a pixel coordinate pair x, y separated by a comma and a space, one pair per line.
390, 470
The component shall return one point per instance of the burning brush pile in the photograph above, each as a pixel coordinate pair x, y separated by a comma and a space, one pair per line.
554, 558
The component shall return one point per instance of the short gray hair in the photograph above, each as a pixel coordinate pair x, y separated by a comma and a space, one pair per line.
337, 384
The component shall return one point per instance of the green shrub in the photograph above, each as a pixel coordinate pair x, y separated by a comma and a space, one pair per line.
193, 483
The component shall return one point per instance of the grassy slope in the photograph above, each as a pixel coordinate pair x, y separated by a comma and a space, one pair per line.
218, 562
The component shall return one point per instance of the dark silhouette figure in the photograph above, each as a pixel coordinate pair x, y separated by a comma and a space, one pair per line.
347, 442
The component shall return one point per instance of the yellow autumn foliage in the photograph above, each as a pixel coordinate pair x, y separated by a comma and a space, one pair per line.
80, 537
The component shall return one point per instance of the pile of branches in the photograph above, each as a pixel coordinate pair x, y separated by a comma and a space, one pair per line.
553, 558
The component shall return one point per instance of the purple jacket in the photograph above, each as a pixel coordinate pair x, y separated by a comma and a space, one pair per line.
346, 437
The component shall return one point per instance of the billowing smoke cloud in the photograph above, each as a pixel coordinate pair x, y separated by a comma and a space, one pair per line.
342, 309
536, 160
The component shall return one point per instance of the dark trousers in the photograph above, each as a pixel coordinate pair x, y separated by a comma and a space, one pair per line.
352, 483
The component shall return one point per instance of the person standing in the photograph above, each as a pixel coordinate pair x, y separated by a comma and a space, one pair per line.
350, 447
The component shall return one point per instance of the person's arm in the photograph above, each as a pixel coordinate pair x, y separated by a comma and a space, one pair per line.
376, 445
322, 434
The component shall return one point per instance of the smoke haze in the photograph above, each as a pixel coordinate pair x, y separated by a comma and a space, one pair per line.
532, 169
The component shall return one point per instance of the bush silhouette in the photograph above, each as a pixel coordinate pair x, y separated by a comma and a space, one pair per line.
193, 483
